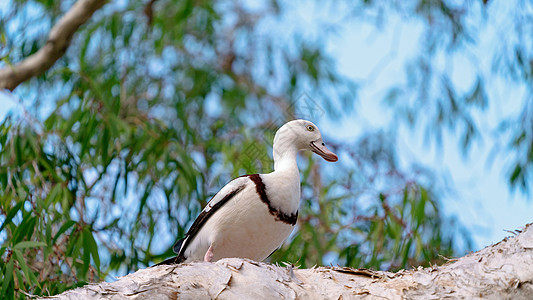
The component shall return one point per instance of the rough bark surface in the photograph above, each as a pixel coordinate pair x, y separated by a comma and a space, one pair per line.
500, 271
55, 47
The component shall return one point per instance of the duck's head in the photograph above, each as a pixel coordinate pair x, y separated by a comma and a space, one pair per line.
301, 135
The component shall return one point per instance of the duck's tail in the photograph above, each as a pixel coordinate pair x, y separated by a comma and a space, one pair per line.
169, 261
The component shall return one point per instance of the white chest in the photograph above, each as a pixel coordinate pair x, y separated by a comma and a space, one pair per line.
283, 190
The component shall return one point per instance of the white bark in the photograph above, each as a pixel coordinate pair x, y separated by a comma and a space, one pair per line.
501, 271
57, 44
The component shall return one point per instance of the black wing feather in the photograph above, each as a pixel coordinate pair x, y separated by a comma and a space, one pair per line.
176, 248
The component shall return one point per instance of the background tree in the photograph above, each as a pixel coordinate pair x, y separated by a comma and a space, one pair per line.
156, 104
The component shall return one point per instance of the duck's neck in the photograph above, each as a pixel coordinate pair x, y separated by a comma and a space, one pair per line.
285, 159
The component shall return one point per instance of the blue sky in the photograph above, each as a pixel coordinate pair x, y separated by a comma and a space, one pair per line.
376, 58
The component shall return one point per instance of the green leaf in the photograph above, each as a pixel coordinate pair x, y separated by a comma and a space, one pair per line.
18, 149
63, 228
48, 237
54, 194
25, 229
73, 239
30, 277
12, 212
146, 193
516, 173
104, 144
90, 245
29, 244
30, 136
8, 276
30, 228
406, 251
86, 245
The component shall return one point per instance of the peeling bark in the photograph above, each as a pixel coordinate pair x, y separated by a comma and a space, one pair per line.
56, 46
500, 271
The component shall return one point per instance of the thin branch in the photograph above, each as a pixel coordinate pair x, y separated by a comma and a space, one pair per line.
56, 46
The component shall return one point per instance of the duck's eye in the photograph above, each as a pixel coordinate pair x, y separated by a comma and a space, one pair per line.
310, 128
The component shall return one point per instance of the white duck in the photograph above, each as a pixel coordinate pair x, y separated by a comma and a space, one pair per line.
252, 215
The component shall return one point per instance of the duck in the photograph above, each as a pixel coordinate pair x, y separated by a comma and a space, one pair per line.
252, 215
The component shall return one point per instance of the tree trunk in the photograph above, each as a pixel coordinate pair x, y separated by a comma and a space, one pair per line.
500, 271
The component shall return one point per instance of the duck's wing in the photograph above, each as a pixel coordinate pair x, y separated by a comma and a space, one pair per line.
227, 193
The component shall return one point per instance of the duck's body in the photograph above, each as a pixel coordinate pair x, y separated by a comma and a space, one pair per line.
246, 225
252, 215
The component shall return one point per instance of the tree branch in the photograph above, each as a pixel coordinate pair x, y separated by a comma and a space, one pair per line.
56, 46
501, 271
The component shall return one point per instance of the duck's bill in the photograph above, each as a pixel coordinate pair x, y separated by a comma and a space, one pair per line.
319, 148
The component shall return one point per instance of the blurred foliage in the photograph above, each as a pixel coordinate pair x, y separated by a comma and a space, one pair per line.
371, 214
459, 33
157, 104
